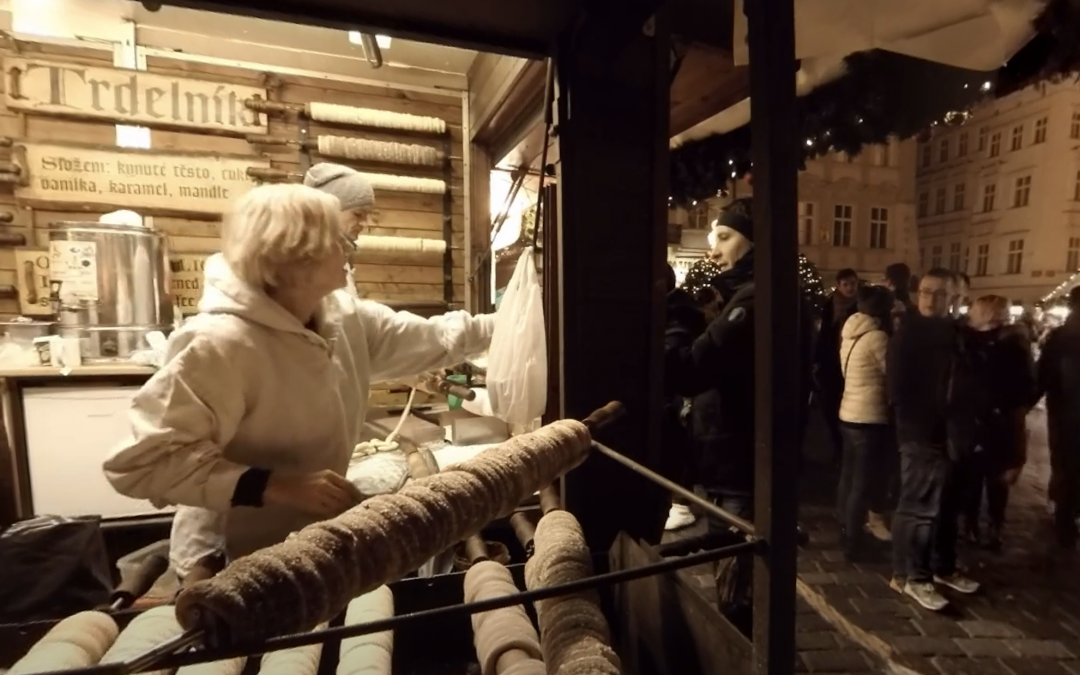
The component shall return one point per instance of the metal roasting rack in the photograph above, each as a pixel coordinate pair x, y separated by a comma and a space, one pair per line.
186, 650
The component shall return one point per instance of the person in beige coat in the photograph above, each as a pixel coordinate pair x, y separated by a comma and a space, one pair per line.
250, 424
864, 420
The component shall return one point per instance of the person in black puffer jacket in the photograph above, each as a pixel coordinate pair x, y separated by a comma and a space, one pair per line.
717, 370
1004, 374
685, 322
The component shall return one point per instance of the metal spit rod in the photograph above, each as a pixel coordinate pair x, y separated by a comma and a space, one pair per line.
165, 656
174, 653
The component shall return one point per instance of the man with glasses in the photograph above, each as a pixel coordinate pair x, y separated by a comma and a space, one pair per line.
929, 385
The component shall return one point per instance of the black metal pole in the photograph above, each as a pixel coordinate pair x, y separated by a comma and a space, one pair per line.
771, 37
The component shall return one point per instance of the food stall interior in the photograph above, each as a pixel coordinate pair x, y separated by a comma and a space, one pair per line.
605, 119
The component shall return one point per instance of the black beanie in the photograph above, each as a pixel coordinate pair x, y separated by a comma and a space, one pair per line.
738, 216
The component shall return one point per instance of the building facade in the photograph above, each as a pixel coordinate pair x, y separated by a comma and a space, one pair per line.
999, 196
856, 212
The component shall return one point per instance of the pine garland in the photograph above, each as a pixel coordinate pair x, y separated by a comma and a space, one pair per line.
700, 276
883, 95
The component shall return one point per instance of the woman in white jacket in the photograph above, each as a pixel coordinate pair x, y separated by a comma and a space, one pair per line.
250, 424
864, 420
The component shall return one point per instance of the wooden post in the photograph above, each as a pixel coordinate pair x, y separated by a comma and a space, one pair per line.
612, 115
778, 396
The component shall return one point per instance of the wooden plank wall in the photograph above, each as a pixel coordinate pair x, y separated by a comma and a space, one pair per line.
415, 279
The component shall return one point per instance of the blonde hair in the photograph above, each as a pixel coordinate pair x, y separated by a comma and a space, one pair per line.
987, 310
277, 226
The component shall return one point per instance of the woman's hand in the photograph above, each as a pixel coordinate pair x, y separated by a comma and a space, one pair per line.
324, 493
1011, 476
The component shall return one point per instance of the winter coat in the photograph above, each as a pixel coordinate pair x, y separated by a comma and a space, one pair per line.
717, 370
862, 361
834, 313
929, 383
1058, 377
245, 385
1004, 378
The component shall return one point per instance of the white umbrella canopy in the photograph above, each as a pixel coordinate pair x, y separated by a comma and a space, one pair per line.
976, 35
971, 34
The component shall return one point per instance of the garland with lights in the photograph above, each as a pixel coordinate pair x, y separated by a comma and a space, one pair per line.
883, 95
700, 276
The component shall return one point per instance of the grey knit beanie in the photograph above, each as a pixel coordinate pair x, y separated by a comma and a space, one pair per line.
352, 189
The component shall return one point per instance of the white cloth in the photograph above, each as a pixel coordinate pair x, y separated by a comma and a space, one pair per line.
862, 358
245, 384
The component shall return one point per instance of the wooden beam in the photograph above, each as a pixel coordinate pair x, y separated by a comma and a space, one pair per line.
707, 83
506, 95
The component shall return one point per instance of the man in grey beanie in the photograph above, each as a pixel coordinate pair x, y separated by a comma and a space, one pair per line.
357, 199
352, 189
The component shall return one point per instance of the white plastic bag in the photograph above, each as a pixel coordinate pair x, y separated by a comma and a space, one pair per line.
517, 360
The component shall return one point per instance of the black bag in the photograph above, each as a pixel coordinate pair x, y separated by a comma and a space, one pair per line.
52, 567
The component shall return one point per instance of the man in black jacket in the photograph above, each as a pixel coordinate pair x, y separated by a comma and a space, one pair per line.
929, 384
1059, 379
836, 310
717, 370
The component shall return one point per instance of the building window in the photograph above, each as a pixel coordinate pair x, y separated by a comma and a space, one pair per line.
1017, 138
841, 227
935, 256
699, 216
922, 258
883, 154
982, 259
1023, 191
924, 204
958, 197
961, 145
1014, 263
806, 222
879, 227
954, 256
943, 153
989, 193
924, 156
995, 145
967, 258
939, 201
983, 133
1074, 130
1072, 260
1040, 130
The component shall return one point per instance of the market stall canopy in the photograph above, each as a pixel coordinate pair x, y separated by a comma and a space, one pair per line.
522, 27
975, 35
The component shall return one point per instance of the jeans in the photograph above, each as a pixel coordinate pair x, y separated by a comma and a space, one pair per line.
737, 505
734, 576
925, 525
864, 479
985, 472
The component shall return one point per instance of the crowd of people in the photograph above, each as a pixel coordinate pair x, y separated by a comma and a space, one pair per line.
925, 399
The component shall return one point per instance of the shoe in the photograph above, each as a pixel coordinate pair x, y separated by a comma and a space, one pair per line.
959, 583
679, 517
897, 584
926, 594
876, 527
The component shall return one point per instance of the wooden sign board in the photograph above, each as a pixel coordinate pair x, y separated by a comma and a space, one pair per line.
186, 280
58, 174
130, 96
32, 280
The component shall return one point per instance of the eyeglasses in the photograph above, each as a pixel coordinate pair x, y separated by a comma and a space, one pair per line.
941, 293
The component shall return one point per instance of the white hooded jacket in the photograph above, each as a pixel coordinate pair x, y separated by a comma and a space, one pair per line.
862, 360
246, 385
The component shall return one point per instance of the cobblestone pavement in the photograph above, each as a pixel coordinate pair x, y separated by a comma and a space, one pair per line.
1026, 619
